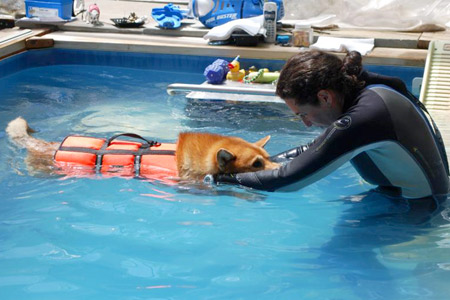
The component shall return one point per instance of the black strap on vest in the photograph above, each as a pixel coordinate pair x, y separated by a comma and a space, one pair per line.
137, 155
147, 144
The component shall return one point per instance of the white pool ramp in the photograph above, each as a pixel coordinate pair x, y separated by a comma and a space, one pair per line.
435, 90
228, 91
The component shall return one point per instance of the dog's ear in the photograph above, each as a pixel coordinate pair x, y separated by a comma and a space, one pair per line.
224, 157
262, 142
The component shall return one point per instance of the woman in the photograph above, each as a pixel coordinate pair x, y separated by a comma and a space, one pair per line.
370, 120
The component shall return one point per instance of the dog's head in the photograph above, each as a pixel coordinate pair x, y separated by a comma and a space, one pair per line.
199, 154
240, 156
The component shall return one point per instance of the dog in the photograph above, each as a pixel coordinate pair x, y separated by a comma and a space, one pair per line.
196, 154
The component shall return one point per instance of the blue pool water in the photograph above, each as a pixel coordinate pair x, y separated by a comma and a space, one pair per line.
115, 238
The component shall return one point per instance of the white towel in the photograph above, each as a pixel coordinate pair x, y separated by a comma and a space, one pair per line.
252, 26
334, 44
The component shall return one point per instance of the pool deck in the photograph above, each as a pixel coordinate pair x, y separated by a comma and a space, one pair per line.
391, 48
394, 48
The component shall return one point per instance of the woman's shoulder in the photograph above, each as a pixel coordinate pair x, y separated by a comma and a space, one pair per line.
370, 103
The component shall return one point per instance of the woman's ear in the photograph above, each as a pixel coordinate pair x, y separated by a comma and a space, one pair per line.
324, 97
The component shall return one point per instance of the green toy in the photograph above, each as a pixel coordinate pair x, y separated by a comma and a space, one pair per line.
262, 76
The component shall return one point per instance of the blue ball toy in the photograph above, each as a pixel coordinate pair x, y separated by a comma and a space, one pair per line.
216, 72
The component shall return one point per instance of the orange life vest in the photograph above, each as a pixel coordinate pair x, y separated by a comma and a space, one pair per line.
80, 154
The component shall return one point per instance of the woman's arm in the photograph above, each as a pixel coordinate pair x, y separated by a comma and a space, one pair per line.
289, 155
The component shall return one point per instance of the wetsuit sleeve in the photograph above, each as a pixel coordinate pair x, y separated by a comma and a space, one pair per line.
282, 158
299, 171
289, 155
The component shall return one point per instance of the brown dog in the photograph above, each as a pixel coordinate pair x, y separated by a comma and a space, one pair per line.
196, 154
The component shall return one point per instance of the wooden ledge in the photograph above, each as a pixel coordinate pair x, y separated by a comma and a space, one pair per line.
198, 46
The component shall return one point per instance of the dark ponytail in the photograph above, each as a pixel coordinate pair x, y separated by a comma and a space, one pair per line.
352, 64
351, 69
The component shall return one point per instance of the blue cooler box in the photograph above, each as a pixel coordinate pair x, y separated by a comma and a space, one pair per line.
49, 8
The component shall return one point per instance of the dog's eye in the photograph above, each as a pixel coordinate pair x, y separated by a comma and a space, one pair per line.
257, 164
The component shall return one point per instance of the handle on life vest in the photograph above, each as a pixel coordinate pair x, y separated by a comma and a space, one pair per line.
148, 143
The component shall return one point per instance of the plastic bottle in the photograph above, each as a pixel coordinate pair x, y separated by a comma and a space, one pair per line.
302, 35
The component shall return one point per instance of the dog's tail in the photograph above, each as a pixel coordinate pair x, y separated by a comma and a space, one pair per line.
19, 132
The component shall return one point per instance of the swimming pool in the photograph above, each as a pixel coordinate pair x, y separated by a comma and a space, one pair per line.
115, 238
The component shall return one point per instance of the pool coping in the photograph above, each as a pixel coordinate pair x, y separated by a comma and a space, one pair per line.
13, 41
197, 46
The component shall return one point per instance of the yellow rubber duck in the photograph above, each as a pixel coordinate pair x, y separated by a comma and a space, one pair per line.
235, 73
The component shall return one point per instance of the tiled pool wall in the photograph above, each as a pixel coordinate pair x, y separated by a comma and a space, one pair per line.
168, 62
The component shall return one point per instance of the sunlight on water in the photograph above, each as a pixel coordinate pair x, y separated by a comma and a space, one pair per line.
121, 238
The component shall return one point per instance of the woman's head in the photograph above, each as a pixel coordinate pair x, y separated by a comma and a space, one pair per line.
309, 72
315, 84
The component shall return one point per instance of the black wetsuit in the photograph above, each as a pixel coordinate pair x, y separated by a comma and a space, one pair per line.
383, 132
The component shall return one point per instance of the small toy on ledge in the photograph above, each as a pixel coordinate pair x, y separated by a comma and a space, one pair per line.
261, 76
169, 17
216, 72
92, 15
235, 74
133, 21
